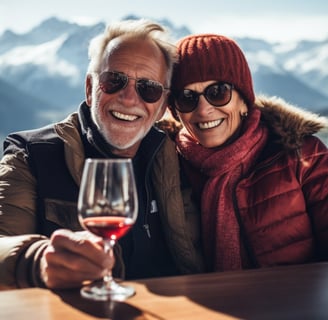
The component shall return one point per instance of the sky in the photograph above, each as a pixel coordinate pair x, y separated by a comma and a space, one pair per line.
274, 21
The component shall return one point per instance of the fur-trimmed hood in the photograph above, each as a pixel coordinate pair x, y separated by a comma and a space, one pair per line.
288, 123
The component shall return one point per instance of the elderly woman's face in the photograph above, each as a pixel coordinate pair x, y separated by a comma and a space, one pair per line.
213, 126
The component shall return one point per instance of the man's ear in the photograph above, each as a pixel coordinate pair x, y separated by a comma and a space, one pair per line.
163, 108
172, 108
162, 112
88, 90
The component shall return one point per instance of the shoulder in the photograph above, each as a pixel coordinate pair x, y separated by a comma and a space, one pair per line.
313, 147
45, 135
17, 141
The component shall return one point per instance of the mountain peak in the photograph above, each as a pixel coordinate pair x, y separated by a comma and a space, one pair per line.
50, 29
55, 23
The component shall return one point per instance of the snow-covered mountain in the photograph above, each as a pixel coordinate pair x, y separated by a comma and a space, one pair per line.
42, 71
298, 72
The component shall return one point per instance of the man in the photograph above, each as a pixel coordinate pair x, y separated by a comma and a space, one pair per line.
41, 242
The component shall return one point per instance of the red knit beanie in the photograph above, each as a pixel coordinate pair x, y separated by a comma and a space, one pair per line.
207, 57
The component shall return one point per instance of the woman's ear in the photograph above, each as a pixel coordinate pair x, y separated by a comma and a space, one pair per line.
243, 109
88, 90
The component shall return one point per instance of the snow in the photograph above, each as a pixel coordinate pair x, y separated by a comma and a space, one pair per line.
44, 55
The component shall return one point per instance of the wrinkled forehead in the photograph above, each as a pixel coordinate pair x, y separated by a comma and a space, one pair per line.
135, 54
122, 45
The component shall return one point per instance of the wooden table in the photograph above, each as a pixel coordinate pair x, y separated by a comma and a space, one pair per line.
293, 292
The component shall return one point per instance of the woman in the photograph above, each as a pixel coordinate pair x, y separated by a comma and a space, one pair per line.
258, 172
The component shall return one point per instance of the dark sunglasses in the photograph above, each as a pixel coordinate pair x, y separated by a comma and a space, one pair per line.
149, 90
217, 94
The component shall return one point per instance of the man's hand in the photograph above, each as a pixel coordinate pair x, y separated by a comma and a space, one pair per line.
72, 258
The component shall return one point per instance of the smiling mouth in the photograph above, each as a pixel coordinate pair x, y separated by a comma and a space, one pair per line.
209, 124
124, 117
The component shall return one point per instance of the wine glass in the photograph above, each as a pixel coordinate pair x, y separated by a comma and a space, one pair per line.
107, 207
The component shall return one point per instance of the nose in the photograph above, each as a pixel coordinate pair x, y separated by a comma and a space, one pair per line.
203, 107
128, 95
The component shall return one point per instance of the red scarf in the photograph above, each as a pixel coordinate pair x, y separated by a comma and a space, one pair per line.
222, 168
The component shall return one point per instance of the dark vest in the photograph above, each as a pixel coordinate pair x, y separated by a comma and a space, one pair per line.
47, 162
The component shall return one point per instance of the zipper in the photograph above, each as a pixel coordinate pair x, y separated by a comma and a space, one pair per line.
146, 225
147, 229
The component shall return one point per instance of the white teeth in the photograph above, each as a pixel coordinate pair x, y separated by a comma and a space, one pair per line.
210, 124
126, 117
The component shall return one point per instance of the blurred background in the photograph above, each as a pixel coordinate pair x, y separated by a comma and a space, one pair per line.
43, 49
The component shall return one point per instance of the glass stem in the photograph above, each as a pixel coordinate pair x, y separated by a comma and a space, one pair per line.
108, 278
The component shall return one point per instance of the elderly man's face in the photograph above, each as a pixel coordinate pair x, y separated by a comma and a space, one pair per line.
123, 117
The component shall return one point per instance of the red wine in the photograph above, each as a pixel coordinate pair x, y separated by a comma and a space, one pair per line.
108, 227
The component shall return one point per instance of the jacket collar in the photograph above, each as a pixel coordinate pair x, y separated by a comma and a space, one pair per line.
77, 125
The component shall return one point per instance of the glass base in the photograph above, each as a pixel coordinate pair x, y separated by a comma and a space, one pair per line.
102, 292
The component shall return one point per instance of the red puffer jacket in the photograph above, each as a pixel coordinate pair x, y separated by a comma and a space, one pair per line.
282, 205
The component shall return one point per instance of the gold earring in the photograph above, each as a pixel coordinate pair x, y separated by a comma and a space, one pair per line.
244, 115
